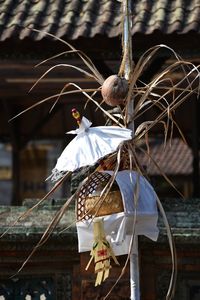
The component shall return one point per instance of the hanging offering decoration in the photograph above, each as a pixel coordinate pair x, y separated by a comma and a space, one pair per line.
135, 210
101, 252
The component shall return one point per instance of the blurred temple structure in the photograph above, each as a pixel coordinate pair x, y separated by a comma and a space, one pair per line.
30, 144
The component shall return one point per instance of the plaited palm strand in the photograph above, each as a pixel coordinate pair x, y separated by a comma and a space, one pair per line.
101, 253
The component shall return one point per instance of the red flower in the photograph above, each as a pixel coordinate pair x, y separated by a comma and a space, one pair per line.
102, 252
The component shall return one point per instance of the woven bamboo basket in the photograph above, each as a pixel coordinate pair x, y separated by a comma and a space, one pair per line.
111, 204
90, 203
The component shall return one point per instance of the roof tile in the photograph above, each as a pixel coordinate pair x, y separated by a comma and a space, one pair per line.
174, 159
87, 18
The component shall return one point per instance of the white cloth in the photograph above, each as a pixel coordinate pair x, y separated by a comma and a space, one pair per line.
90, 144
119, 227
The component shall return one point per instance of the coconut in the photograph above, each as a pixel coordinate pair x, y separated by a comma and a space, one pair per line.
114, 90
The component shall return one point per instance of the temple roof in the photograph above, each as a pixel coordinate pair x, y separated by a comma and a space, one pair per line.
175, 158
87, 18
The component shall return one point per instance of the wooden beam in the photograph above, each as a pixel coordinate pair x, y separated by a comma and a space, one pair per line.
156, 65
39, 125
104, 68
